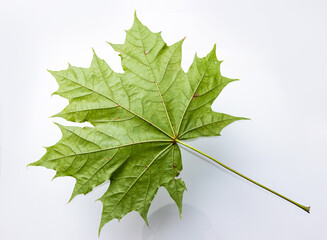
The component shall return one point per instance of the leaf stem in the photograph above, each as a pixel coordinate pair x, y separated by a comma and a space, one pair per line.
307, 209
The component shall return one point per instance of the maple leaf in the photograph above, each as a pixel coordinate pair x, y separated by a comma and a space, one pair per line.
138, 117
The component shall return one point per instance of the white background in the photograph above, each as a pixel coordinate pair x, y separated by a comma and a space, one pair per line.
278, 50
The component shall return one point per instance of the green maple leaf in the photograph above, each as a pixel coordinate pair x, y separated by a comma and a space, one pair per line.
138, 118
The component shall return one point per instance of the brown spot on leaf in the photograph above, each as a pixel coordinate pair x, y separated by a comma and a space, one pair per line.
195, 95
146, 52
174, 165
117, 119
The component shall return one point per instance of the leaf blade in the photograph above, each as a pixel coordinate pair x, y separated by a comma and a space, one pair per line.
137, 117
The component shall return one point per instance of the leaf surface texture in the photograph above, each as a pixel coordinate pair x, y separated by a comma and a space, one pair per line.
137, 117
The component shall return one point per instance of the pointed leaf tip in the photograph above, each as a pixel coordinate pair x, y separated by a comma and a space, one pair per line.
182, 40
53, 73
145, 220
30, 164
135, 17
71, 198
213, 51
61, 127
55, 115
